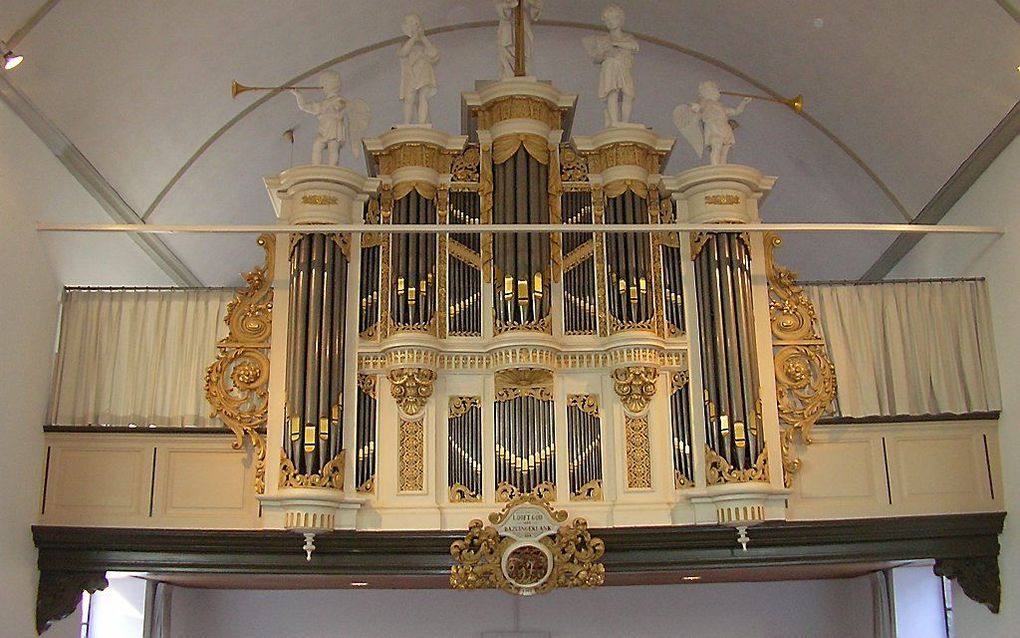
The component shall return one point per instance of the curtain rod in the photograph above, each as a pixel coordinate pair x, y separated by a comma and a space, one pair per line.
149, 288
875, 282
515, 228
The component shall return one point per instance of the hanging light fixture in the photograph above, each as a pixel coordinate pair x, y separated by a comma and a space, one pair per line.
11, 59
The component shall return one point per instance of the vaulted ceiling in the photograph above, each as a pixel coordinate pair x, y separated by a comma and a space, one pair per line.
134, 99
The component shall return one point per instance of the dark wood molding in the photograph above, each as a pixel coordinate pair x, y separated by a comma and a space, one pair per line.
965, 545
60, 592
992, 415
978, 577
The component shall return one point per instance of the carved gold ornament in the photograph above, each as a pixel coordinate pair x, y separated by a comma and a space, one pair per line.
459, 406
590, 491
463, 494
635, 385
639, 453
367, 384
414, 154
524, 382
465, 167
237, 383
514, 107
718, 470
625, 154
505, 492
587, 403
805, 376
411, 388
573, 167
331, 476
319, 200
527, 550
412, 456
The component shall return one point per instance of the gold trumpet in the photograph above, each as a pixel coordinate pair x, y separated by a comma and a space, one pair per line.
236, 88
796, 102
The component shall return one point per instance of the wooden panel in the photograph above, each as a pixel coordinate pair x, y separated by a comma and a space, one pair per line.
98, 481
841, 476
204, 483
936, 469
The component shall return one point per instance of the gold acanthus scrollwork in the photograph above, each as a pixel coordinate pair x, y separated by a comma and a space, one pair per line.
544, 491
590, 491
331, 476
368, 487
459, 406
463, 494
718, 470
805, 376
411, 388
635, 385
678, 380
367, 384
237, 382
524, 382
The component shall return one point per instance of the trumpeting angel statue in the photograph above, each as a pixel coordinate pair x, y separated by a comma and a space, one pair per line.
707, 123
340, 120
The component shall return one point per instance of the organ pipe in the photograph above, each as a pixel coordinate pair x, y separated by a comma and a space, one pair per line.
315, 372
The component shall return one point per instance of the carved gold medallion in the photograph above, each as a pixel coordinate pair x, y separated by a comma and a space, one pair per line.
527, 550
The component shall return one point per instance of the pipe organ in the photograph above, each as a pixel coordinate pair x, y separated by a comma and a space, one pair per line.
431, 375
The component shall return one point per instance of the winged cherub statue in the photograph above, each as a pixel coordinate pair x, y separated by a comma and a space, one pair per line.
707, 123
340, 120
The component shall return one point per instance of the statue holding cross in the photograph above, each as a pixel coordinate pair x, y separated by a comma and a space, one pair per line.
514, 35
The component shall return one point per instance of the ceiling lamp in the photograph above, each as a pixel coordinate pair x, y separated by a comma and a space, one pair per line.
11, 59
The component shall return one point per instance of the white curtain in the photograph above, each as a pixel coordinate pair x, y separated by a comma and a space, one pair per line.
137, 357
909, 348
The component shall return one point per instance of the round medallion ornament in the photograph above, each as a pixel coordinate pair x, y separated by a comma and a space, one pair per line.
527, 565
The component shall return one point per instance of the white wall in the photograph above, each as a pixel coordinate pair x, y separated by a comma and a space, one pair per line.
28, 316
993, 200
920, 607
820, 609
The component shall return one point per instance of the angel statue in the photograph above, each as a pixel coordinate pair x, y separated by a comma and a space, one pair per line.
417, 73
707, 123
507, 10
340, 119
614, 51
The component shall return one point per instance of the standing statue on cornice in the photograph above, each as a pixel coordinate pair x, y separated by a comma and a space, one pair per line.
505, 35
340, 120
417, 70
707, 123
614, 51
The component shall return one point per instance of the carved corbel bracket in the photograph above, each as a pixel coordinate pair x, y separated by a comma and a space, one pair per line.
978, 578
411, 388
60, 593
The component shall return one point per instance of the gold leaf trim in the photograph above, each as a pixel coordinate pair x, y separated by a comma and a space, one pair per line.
722, 200
678, 381
465, 167
237, 382
367, 384
368, 487
544, 491
319, 200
